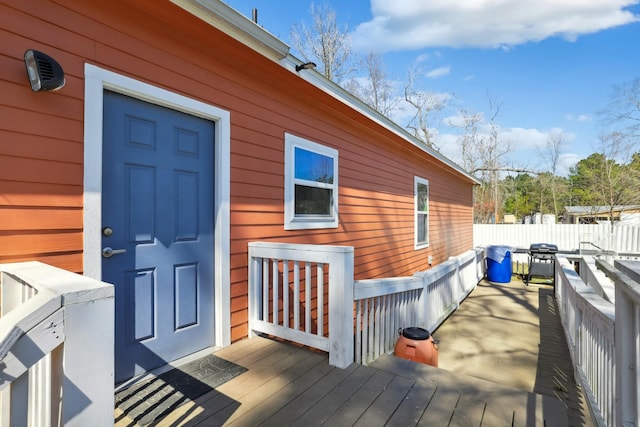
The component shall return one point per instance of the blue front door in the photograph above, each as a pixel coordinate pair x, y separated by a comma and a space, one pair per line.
157, 236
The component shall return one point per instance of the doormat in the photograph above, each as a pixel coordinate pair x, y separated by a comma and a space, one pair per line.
149, 401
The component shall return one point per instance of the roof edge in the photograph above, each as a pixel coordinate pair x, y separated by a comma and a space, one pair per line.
236, 25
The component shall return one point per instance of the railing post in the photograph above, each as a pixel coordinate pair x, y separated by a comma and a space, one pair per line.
88, 383
341, 327
254, 291
627, 339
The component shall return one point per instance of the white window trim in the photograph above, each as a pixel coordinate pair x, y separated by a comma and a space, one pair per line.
96, 81
417, 180
290, 221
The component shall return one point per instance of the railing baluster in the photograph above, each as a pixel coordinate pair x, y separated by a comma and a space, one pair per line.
307, 297
320, 299
365, 332
285, 293
358, 342
377, 329
296, 296
265, 289
275, 286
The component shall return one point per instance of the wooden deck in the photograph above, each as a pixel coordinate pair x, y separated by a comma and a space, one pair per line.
287, 384
290, 385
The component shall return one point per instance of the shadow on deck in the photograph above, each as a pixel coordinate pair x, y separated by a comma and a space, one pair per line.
511, 334
503, 364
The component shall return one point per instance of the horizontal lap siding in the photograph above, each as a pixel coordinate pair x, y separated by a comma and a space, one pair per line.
41, 173
41, 151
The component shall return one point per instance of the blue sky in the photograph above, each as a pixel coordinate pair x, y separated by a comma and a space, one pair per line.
550, 64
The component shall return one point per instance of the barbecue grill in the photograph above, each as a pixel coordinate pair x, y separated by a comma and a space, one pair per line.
542, 262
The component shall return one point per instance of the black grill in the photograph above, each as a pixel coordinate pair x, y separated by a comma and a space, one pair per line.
542, 262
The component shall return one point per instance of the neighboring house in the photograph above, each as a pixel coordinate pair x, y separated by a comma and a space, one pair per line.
597, 214
184, 132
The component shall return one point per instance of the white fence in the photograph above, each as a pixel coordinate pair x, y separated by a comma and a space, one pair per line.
426, 299
295, 290
56, 348
568, 237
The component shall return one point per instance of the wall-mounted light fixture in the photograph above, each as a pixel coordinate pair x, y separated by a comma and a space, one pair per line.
45, 74
305, 66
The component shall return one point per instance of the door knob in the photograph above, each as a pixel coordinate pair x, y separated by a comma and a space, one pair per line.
109, 252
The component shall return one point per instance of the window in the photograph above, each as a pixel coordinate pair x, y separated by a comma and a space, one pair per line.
421, 194
311, 185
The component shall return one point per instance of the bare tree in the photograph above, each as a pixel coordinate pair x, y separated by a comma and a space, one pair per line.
326, 43
551, 156
428, 106
471, 121
616, 183
483, 154
375, 89
623, 111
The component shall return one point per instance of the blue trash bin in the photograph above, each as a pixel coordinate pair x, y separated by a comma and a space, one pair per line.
499, 264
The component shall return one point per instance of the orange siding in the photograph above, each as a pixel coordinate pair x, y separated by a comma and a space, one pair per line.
41, 134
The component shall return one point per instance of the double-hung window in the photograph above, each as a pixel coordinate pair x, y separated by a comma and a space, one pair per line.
421, 195
311, 185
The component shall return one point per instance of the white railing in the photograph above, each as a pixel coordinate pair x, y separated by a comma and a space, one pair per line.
426, 299
56, 347
306, 294
383, 306
295, 290
594, 238
595, 278
626, 275
589, 324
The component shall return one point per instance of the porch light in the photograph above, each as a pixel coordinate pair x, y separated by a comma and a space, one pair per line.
305, 66
45, 74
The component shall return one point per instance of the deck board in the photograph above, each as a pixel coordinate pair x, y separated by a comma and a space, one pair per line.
358, 403
469, 412
387, 402
441, 407
303, 402
261, 403
321, 410
410, 410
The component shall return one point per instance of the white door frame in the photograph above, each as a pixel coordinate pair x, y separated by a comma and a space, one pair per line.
96, 81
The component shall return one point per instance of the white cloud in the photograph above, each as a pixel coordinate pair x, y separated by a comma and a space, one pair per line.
438, 72
523, 138
566, 162
422, 58
524, 145
411, 24
579, 118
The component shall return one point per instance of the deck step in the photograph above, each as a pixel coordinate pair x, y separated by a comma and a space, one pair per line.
496, 403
